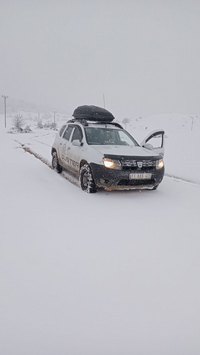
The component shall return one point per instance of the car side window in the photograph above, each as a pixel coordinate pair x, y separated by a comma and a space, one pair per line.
62, 130
156, 141
68, 132
77, 135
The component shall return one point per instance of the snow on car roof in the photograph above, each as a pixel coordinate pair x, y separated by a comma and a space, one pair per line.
101, 125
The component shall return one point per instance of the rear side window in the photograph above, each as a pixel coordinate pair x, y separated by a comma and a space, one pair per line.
68, 132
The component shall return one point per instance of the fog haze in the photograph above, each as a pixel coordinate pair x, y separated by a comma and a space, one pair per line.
143, 55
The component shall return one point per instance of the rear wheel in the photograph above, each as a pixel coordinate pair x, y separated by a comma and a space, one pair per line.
55, 164
86, 179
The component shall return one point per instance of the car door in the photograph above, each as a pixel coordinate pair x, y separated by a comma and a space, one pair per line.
155, 141
59, 141
64, 146
75, 149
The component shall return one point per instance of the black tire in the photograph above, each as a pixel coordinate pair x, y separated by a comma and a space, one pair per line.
86, 179
55, 164
155, 187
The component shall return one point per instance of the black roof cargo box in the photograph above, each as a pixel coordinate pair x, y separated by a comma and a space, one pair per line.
93, 113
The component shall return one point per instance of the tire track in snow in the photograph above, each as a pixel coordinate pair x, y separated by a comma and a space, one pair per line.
36, 140
183, 180
64, 174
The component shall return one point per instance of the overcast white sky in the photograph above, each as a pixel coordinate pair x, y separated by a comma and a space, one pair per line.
143, 55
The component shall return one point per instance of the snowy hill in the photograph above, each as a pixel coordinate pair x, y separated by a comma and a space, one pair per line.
169, 122
14, 105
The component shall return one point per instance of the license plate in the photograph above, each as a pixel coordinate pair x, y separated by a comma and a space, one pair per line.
141, 176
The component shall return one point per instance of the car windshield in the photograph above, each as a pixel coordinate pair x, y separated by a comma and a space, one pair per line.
108, 136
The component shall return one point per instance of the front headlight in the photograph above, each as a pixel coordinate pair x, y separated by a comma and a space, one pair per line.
159, 164
112, 164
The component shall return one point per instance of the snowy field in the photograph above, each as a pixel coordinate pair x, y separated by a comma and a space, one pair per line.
104, 274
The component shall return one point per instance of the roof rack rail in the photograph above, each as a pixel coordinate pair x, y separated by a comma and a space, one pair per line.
105, 122
86, 122
79, 120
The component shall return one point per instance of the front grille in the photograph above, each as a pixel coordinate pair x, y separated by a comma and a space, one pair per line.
133, 164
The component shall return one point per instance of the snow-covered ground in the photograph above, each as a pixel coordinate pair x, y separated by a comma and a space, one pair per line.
111, 273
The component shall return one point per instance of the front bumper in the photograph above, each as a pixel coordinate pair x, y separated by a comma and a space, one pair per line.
112, 179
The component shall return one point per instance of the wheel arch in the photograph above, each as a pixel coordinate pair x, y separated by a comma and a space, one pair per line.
83, 162
53, 150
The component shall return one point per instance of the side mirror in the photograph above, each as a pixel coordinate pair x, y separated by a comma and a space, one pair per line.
77, 143
148, 146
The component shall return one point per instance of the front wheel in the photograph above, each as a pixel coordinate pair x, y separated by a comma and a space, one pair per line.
86, 180
55, 164
155, 187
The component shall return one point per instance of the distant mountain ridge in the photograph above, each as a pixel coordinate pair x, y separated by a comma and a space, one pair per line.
15, 105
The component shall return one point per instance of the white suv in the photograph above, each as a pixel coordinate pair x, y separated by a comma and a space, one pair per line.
104, 155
